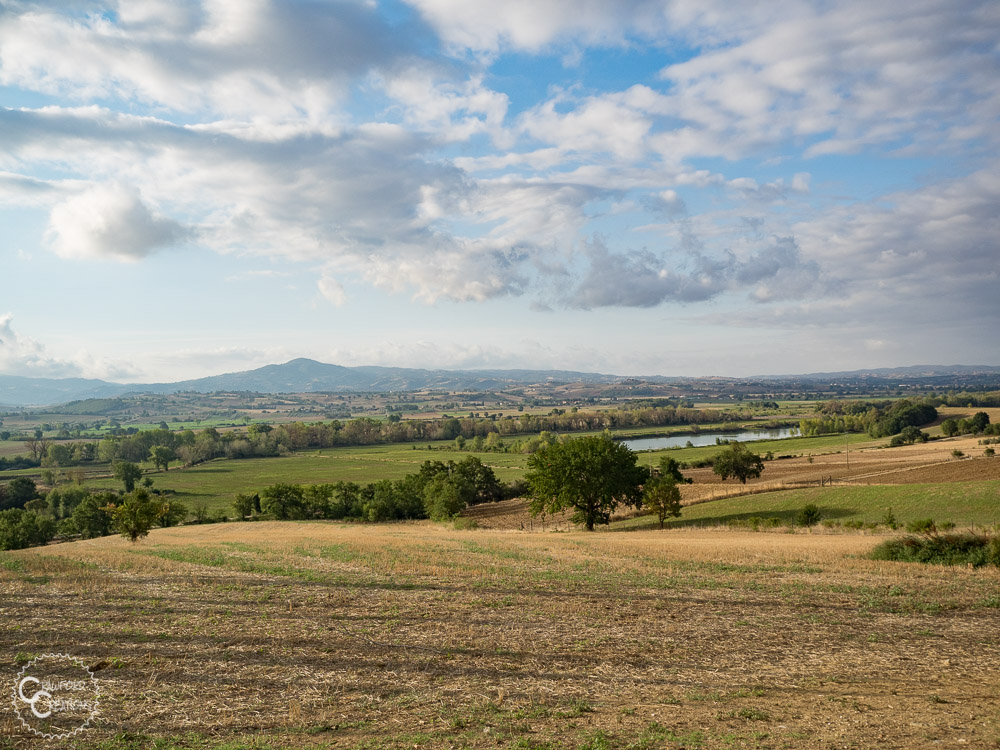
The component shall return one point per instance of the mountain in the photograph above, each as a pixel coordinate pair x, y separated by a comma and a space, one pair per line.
16, 390
297, 376
307, 375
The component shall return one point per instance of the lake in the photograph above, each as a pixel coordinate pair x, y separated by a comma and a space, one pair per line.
708, 438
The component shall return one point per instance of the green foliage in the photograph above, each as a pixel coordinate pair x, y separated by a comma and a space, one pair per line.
949, 427
22, 528
921, 526
17, 493
669, 467
244, 503
592, 475
810, 515
161, 456
445, 497
901, 414
90, 518
134, 515
662, 496
283, 501
738, 461
889, 520
174, 512
942, 549
127, 473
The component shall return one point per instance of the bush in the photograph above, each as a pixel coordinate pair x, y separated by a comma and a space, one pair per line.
889, 520
810, 515
922, 526
942, 549
22, 528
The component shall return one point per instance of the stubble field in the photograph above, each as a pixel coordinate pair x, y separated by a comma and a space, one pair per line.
269, 635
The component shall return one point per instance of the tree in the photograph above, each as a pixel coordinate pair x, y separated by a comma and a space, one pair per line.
174, 512
979, 421
135, 515
738, 461
670, 468
445, 497
90, 519
19, 492
283, 501
127, 473
162, 455
21, 528
662, 496
243, 504
949, 427
592, 475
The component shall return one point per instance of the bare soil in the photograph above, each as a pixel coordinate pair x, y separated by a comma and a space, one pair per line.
270, 635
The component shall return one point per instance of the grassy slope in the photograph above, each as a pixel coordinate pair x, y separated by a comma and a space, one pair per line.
961, 502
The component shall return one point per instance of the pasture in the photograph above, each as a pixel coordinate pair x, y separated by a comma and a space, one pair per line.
320, 635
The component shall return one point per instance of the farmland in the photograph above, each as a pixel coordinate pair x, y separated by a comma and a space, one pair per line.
269, 635
504, 634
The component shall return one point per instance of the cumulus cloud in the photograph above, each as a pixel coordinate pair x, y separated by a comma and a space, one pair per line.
246, 57
641, 278
110, 221
20, 355
309, 132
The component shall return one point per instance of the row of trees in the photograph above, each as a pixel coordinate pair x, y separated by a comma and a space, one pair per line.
978, 424
877, 418
77, 512
438, 491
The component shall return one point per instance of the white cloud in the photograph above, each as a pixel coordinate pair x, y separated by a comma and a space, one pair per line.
21, 355
332, 290
533, 24
110, 221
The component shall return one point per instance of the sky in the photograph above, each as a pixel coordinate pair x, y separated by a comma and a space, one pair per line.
638, 187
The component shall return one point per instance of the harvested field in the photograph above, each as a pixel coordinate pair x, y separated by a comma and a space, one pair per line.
271, 635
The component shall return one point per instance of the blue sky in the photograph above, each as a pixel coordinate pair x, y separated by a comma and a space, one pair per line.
672, 187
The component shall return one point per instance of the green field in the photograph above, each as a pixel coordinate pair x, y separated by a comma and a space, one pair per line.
214, 483
964, 503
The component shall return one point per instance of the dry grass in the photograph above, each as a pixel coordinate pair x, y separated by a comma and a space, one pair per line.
322, 635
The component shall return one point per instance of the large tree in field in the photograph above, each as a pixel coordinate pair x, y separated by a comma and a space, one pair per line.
591, 475
738, 461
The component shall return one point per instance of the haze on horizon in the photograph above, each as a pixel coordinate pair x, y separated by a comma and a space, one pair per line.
632, 186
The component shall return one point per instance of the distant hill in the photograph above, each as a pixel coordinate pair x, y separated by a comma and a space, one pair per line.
297, 376
17, 390
307, 375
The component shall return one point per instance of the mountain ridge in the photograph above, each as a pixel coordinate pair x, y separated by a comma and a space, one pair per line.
303, 375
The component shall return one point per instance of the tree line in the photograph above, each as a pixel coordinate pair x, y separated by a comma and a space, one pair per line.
877, 418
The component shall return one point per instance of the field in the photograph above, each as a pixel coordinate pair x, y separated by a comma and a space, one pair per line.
267, 635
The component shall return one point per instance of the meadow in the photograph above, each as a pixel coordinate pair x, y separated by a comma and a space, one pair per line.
319, 635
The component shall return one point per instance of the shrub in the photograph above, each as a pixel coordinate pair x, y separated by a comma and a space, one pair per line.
810, 515
889, 520
922, 526
942, 549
